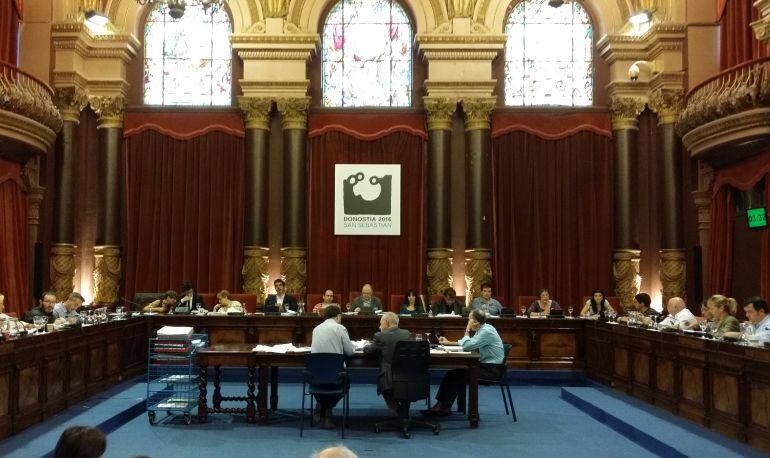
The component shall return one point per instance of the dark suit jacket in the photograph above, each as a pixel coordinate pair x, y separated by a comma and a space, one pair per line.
288, 303
385, 345
196, 300
442, 307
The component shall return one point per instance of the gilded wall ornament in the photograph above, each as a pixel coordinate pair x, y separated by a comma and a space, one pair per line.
625, 270
439, 270
62, 269
25, 96
439, 111
294, 111
109, 110
673, 274
256, 111
460, 8
625, 110
478, 270
668, 103
255, 273
294, 269
106, 274
274, 8
478, 112
70, 101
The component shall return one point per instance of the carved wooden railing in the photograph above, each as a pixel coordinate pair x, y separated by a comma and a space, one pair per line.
27, 96
739, 88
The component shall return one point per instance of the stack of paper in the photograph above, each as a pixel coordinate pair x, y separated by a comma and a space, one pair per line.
448, 315
280, 348
359, 345
175, 332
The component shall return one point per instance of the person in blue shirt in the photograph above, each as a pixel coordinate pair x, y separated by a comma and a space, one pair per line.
490, 347
486, 303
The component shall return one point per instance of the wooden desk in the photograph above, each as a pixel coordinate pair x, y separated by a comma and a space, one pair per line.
242, 356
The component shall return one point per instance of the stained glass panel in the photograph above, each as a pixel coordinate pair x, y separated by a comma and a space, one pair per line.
366, 55
548, 55
187, 60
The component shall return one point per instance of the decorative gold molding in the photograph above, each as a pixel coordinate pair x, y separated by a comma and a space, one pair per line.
25, 96
70, 101
439, 111
295, 39
274, 8
62, 268
624, 111
733, 129
460, 8
256, 112
294, 269
478, 112
294, 112
668, 103
35, 193
106, 274
478, 270
673, 273
254, 272
109, 110
26, 130
439, 270
762, 25
625, 270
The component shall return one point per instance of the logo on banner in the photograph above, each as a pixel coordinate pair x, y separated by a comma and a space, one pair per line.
367, 199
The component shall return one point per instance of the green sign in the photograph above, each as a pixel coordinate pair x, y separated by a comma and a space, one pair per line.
757, 217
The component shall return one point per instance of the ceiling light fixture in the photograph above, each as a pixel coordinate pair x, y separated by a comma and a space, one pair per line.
556, 3
176, 8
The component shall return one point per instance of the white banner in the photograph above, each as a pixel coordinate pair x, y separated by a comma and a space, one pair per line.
367, 199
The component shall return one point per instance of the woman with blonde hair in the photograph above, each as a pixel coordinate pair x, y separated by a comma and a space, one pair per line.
722, 310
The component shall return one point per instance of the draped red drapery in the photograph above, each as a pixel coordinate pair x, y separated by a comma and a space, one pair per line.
553, 213
737, 41
10, 15
184, 208
392, 264
14, 276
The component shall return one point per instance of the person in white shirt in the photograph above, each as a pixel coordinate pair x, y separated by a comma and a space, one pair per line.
678, 315
330, 337
225, 304
758, 315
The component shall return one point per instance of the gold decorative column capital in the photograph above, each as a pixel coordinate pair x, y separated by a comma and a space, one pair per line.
439, 111
625, 269
460, 8
256, 111
294, 111
668, 103
478, 270
673, 273
624, 111
439, 270
274, 8
254, 272
62, 269
478, 112
106, 274
294, 269
762, 25
70, 101
109, 110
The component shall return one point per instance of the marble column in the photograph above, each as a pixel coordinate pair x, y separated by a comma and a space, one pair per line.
702, 198
438, 212
478, 242
626, 253
70, 101
668, 103
35, 194
256, 112
294, 112
107, 251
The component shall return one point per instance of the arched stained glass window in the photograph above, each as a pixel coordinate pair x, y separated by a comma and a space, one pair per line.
367, 55
548, 55
187, 61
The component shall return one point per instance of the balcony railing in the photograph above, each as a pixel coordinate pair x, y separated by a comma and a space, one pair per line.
27, 96
739, 88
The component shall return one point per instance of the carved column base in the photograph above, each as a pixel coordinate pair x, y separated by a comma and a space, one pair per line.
478, 270
625, 269
62, 269
255, 274
673, 274
439, 270
294, 269
106, 274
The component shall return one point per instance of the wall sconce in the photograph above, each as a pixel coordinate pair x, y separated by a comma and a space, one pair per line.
640, 17
641, 67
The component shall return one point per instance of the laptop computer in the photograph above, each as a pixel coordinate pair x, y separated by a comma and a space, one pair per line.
556, 313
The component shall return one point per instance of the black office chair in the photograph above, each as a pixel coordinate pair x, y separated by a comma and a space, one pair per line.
325, 373
502, 381
411, 382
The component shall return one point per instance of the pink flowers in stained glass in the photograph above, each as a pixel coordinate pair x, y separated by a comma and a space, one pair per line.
339, 39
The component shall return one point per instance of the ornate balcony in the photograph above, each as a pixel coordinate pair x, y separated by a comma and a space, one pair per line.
730, 111
29, 119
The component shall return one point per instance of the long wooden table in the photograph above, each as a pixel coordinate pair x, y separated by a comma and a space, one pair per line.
242, 355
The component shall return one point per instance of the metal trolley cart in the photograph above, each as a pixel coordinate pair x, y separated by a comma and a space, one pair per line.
172, 375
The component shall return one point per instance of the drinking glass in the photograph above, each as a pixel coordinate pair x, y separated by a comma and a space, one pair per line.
570, 309
427, 336
523, 310
120, 311
39, 322
418, 337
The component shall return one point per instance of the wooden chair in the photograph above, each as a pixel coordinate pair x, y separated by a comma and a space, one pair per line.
395, 302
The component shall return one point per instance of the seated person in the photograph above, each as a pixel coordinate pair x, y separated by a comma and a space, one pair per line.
280, 301
189, 301
80, 442
758, 315
44, 308
678, 315
67, 310
3, 316
384, 345
491, 351
412, 304
722, 309
163, 304
367, 302
544, 305
597, 305
448, 304
328, 298
486, 303
642, 302
226, 305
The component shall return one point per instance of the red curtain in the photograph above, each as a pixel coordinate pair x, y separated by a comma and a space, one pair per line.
721, 242
184, 211
553, 215
14, 276
10, 15
392, 264
738, 43
764, 280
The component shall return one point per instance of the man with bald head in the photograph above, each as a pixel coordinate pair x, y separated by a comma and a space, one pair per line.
367, 302
678, 312
384, 345
338, 451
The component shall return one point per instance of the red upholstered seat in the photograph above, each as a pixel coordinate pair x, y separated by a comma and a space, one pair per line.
395, 302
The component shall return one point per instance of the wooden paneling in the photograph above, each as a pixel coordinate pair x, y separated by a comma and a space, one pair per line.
558, 345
